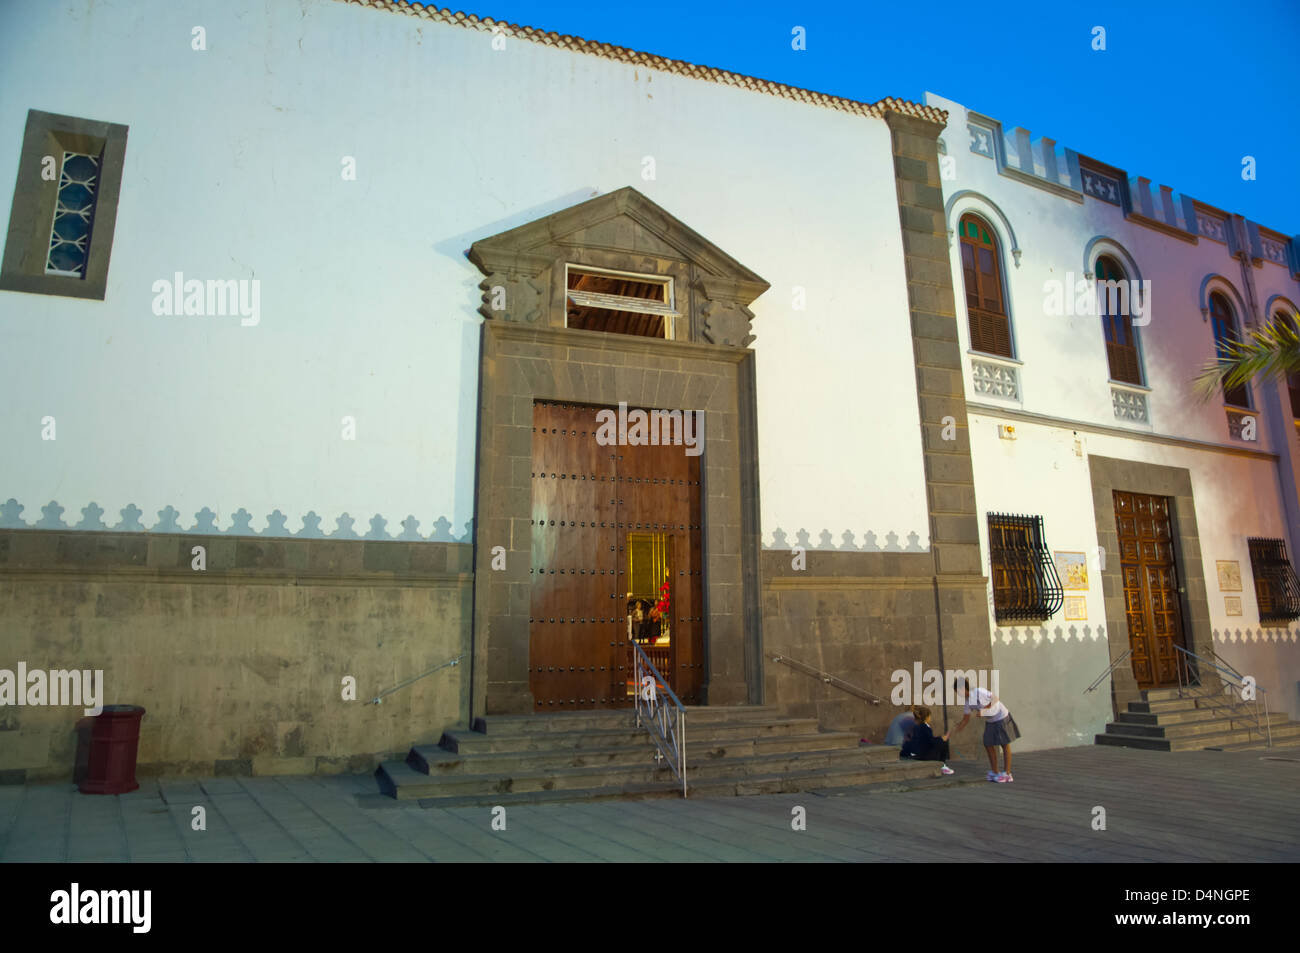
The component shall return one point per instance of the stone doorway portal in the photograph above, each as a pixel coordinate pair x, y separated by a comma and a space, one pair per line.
541, 341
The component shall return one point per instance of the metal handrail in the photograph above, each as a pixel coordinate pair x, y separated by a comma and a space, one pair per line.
1265, 727
667, 728
1222, 666
1109, 668
378, 699
1226, 665
833, 680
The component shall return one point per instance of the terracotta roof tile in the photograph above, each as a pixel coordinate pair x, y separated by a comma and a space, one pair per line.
622, 54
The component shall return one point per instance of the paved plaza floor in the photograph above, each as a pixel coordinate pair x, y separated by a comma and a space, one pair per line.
1196, 806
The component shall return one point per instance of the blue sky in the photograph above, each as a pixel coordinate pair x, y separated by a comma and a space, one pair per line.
1181, 94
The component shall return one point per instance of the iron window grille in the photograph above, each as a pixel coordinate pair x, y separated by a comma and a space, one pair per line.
1276, 587
1026, 587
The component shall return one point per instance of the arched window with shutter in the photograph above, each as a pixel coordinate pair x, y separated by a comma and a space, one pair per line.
1226, 334
981, 265
1117, 323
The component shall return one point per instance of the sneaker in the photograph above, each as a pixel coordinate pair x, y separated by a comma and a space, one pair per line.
946, 770
1004, 778
993, 775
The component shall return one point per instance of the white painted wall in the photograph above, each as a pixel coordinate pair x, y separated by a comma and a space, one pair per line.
367, 301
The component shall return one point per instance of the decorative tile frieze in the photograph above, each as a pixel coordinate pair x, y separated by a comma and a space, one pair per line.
1212, 226
1130, 405
1102, 187
981, 139
995, 380
1274, 251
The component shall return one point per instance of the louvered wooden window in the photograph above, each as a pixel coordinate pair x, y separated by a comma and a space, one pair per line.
619, 303
990, 328
1026, 587
1276, 587
1117, 321
1225, 332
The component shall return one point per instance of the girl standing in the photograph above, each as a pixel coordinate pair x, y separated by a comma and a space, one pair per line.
999, 727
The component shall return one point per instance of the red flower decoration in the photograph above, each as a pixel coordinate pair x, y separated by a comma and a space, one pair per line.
661, 607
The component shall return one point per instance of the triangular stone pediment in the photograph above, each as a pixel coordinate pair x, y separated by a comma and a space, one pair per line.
624, 220
626, 232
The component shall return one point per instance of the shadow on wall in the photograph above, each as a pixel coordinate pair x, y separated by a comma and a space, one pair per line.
870, 542
1043, 684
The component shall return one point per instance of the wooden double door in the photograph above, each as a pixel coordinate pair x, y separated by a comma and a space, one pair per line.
1150, 579
604, 518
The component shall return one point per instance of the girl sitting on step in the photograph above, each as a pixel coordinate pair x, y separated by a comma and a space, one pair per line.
923, 745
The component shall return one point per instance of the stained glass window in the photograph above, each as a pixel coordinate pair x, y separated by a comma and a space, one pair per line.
74, 214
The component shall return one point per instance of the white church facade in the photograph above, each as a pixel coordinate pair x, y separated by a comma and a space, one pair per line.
316, 324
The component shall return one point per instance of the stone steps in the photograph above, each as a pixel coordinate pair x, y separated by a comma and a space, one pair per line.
571, 721
1162, 721
1161, 694
1172, 706
1282, 742
1239, 739
592, 755
844, 767
1170, 717
465, 741
433, 759
1214, 724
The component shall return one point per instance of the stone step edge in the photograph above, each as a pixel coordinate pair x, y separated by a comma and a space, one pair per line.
1150, 718
1284, 744
642, 790
825, 776
1150, 743
629, 724
699, 711
847, 741
397, 771
465, 736
1239, 724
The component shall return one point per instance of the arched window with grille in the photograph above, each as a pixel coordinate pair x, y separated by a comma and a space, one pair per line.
1117, 322
1225, 334
990, 326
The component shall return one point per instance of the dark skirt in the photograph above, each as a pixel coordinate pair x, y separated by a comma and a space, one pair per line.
1001, 732
939, 751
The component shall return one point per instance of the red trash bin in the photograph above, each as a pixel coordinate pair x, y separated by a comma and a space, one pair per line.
114, 741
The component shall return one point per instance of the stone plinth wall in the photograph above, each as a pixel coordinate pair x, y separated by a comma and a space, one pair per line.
241, 665
861, 617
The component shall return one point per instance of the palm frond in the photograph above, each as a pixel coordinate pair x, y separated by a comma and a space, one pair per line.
1270, 351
